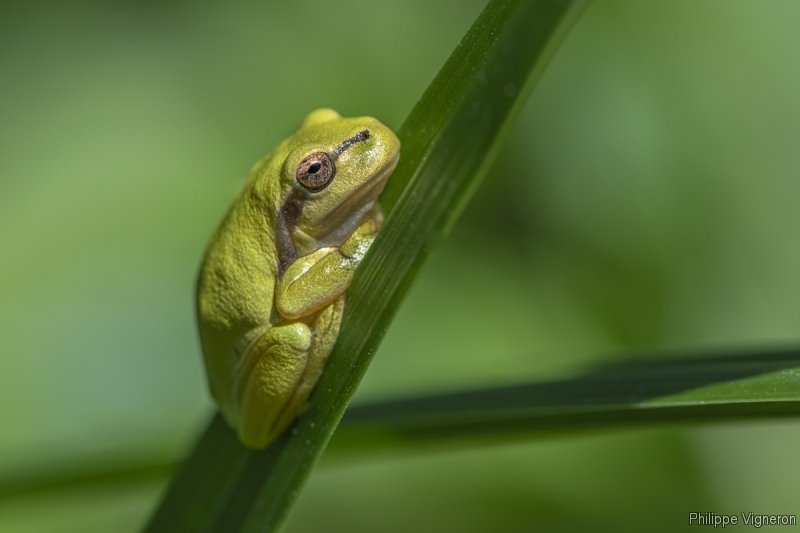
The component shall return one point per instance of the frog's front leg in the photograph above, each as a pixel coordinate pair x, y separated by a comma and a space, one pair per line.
317, 279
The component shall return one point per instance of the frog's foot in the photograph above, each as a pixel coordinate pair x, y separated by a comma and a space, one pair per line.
268, 383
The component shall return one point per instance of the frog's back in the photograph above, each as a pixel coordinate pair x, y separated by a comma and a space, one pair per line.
235, 293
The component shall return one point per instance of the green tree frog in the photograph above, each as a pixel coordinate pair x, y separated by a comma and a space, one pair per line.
271, 287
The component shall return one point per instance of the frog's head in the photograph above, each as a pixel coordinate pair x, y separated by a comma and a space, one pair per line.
332, 173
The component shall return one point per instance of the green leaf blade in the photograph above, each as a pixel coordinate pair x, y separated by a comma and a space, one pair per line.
705, 388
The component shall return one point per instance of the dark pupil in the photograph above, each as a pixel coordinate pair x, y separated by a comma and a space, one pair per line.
313, 169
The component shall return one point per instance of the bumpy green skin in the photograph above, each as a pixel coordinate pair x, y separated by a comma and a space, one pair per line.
270, 293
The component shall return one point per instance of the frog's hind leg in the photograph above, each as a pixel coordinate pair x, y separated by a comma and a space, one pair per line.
277, 362
326, 330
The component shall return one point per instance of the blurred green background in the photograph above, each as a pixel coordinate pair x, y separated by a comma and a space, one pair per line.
646, 201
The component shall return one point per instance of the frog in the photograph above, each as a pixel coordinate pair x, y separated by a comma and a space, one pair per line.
271, 288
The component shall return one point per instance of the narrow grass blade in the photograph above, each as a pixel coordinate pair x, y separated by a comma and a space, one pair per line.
449, 140
765, 385
702, 388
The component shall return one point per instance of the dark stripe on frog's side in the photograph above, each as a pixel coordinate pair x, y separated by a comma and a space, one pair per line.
286, 220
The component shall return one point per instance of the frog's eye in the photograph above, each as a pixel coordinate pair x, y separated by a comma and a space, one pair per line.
316, 171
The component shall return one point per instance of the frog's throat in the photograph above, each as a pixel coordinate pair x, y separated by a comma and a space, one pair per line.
335, 226
292, 242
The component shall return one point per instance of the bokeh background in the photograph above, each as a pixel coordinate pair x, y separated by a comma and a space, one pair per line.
646, 202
